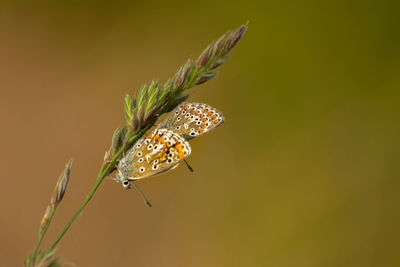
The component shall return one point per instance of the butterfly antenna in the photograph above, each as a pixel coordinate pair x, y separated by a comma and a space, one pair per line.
187, 164
143, 196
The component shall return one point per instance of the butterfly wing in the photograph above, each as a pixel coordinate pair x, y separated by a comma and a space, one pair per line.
159, 152
193, 119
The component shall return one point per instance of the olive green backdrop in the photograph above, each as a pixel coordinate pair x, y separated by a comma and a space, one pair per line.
304, 172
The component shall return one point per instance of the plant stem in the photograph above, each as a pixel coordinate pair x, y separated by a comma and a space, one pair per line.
105, 170
100, 177
42, 233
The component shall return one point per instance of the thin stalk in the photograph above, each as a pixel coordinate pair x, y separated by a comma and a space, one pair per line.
43, 232
100, 177
103, 173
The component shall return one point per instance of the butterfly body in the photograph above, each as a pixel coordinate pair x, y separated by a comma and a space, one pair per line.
167, 145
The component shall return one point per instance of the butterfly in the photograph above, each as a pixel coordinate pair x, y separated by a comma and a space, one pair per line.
167, 145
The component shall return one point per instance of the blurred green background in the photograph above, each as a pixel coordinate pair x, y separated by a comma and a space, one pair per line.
304, 172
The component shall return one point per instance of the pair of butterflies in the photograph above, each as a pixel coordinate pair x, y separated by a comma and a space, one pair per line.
167, 146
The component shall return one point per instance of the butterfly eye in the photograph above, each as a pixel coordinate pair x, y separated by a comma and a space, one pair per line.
126, 184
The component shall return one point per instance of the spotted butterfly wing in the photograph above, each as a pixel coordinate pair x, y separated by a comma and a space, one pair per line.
159, 152
193, 119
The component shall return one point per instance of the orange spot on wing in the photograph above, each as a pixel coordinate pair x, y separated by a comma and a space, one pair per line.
204, 120
191, 110
216, 121
179, 147
157, 136
203, 126
214, 117
196, 113
181, 155
184, 107
202, 131
162, 140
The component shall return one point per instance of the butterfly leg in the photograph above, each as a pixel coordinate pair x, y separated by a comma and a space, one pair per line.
189, 167
143, 196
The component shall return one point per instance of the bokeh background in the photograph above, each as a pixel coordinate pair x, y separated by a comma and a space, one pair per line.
304, 172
